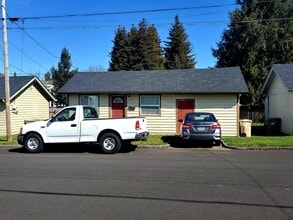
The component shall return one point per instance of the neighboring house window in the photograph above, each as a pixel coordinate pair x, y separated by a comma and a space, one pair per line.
150, 104
90, 100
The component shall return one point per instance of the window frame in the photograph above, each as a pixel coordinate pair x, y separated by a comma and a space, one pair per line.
88, 95
145, 105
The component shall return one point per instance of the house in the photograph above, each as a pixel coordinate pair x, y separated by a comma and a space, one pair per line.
278, 95
29, 101
162, 96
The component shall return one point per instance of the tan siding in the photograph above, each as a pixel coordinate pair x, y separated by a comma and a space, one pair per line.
2, 119
73, 99
223, 106
133, 101
31, 105
104, 106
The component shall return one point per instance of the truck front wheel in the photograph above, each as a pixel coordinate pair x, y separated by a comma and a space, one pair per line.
33, 143
110, 143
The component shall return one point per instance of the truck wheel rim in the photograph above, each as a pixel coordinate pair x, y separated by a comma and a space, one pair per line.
109, 143
33, 143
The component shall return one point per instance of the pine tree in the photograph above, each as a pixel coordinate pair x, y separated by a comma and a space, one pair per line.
120, 52
140, 49
155, 60
259, 35
62, 74
178, 49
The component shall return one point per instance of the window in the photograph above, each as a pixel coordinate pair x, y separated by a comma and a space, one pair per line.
89, 112
90, 100
150, 104
66, 115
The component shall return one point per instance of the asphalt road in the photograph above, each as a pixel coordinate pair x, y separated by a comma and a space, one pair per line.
144, 183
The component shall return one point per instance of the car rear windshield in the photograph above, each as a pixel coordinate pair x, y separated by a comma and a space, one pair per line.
200, 117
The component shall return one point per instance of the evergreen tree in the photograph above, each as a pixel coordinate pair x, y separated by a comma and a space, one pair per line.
140, 49
62, 74
259, 35
47, 76
133, 44
155, 60
120, 52
178, 50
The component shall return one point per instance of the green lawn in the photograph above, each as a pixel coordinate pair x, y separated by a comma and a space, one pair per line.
259, 141
3, 140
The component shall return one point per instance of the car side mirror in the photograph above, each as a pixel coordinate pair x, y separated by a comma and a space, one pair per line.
180, 120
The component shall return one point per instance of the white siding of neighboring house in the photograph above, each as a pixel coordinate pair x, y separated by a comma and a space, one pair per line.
31, 105
225, 108
279, 103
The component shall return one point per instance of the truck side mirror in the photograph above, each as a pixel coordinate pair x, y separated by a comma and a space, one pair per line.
52, 119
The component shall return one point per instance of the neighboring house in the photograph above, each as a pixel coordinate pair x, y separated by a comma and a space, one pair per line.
29, 101
278, 93
162, 96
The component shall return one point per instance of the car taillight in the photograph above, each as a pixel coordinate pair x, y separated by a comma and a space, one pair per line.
215, 126
187, 126
137, 125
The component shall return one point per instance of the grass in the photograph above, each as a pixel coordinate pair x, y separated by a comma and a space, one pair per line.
3, 140
258, 139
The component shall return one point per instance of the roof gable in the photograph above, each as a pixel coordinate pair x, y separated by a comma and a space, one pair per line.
220, 80
18, 84
284, 72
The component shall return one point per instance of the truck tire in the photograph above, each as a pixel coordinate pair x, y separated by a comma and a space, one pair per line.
110, 143
33, 143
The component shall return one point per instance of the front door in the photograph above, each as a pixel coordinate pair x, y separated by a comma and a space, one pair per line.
183, 106
118, 106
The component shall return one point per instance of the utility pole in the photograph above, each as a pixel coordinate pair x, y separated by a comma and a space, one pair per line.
6, 73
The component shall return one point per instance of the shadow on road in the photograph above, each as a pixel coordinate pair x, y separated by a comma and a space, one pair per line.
74, 148
178, 142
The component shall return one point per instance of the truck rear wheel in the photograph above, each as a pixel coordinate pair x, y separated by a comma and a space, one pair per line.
33, 143
110, 143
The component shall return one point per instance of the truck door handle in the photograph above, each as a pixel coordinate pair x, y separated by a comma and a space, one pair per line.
73, 125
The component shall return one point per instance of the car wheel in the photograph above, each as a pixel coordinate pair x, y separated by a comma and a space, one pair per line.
33, 143
110, 143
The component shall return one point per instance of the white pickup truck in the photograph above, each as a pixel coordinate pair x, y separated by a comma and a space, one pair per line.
80, 124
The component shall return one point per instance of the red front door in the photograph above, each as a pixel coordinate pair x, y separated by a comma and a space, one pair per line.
183, 106
118, 106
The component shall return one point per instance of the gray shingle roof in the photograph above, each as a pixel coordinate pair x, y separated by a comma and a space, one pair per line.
15, 84
221, 80
285, 71
19, 83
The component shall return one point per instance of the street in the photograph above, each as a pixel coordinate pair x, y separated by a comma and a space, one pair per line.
146, 183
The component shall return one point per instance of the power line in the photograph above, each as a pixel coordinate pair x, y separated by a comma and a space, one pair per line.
158, 25
124, 12
28, 56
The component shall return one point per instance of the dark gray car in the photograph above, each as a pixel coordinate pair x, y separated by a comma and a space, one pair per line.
201, 126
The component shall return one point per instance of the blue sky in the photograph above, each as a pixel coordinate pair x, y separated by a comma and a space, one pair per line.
35, 42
